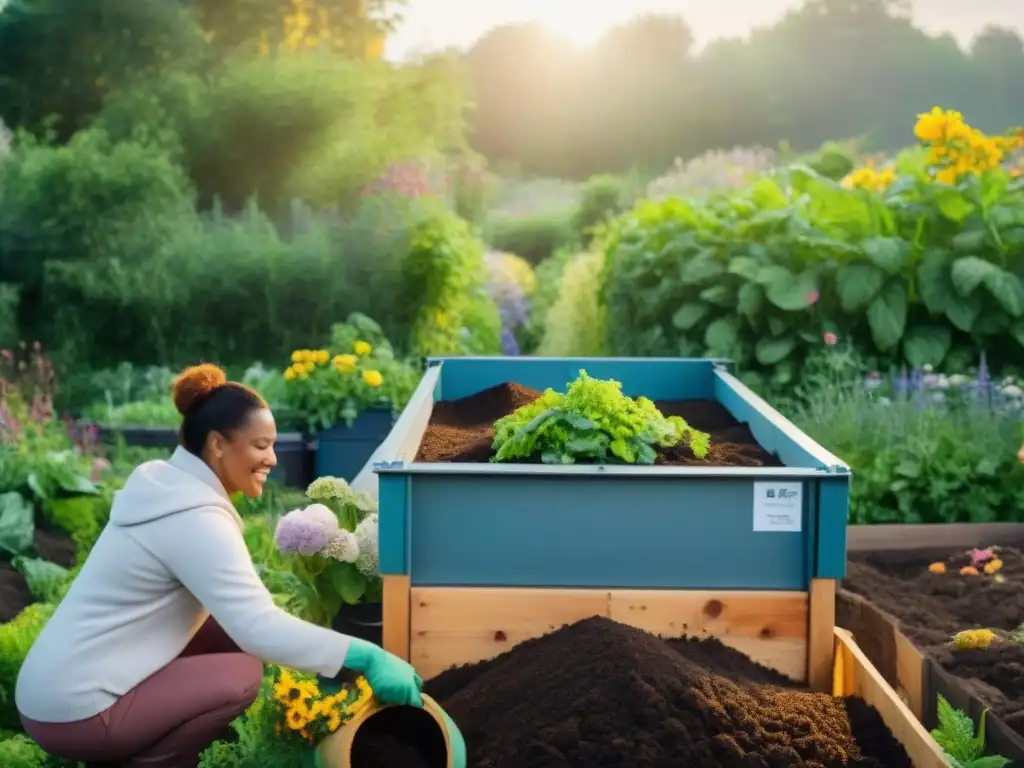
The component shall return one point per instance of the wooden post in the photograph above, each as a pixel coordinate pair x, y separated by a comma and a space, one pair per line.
821, 634
396, 614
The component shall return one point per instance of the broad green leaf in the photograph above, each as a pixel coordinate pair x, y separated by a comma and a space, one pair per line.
991, 321
777, 325
1006, 288
44, 579
722, 335
771, 351
934, 284
793, 294
773, 274
750, 300
889, 253
887, 315
719, 295
857, 285
926, 344
701, 269
969, 272
689, 314
746, 267
17, 524
993, 185
347, 581
969, 242
1017, 331
964, 312
768, 195
953, 205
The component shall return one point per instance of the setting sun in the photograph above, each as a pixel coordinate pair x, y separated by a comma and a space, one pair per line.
579, 22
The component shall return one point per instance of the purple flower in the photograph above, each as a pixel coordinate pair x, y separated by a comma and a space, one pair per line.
305, 531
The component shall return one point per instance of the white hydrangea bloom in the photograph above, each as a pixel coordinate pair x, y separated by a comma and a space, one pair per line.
368, 562
328, 488
342, 546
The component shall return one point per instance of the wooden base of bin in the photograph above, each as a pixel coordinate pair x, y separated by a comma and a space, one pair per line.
436, 628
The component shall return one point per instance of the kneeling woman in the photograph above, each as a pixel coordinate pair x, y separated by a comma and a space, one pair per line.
161, 640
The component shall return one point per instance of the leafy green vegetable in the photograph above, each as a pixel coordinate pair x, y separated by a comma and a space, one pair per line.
21, 752
955, 735
45, 579
592, 421
17, 524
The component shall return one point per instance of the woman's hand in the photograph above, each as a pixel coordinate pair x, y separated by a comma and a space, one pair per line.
393, 681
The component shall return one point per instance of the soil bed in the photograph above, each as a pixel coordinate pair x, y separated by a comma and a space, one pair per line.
604, 695
463, 430
931, 608
55, 546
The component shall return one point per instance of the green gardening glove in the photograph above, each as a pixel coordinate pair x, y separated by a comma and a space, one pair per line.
393, 681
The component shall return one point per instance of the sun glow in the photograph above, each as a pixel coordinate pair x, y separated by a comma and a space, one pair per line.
579, 22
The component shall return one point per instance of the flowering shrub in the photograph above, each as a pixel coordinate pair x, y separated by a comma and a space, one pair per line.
334, 543
28, 384
591, 421
334, 385
714, 171
913, 262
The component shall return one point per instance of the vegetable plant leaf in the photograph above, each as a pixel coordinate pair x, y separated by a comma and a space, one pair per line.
689, 314
887, 315
926, 344
934, 283
17, 524
793, 293
771, 351
889, 253
857, 285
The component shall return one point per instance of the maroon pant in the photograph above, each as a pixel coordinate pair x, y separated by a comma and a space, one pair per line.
168, 719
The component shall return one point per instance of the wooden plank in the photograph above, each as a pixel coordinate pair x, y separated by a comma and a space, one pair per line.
881, 538
854, 676
452, 626
769, 627
820, 640
396, 614
910, 675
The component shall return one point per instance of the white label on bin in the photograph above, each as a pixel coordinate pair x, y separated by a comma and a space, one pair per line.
778, 507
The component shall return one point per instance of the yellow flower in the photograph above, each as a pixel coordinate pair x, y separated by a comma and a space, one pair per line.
373, 378
321, 356
937, 567
993, 565
296, 718
287, 690
298, 356
947, 176
290, 374
974, 638
362, 348
345, 363
968, 570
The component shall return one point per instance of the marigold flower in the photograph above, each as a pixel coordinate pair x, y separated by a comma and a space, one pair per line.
290, 374
937, 567
362, 349
992, 566
373, 378
321, 356
345, 362
974, 638
968, 570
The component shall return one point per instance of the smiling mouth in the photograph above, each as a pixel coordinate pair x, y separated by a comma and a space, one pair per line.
262, 474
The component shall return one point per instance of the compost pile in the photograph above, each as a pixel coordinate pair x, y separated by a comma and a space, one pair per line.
463, 430
931, 608
604, 695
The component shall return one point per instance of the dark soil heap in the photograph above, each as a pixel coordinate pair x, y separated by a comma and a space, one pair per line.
599, 694
931, 608
463, 430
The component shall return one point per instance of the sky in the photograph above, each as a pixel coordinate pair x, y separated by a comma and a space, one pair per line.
434, 24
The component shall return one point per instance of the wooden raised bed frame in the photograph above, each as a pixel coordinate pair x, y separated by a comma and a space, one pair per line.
916, 678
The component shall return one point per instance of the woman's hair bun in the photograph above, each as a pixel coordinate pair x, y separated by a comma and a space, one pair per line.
195, 383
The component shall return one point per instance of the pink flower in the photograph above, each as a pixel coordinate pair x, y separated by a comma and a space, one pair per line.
981, 556
812, 297
830, 338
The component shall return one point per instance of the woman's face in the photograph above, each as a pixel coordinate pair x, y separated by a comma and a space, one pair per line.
243, 461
